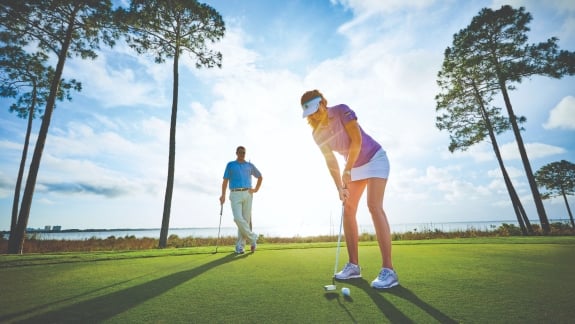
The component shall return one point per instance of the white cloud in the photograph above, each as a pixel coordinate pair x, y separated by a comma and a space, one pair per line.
563, 5
113, 80
559, 5
483, 152
237, 59
563, 115
444, 183
480, 152
363, 8
510, 151
513, 172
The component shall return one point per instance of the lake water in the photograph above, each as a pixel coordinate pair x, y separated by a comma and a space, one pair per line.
277, 231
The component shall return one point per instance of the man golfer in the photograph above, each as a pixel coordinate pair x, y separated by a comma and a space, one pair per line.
238, 175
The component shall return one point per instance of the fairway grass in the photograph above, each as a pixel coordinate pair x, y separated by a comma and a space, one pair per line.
488, 280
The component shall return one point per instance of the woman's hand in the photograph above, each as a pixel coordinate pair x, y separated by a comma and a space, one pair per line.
343, 194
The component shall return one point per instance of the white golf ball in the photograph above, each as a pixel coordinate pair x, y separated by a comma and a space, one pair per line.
345, 291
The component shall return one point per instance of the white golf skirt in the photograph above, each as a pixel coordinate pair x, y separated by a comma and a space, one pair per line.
377, 167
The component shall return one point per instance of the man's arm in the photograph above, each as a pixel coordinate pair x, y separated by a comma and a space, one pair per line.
258, 184
224, 187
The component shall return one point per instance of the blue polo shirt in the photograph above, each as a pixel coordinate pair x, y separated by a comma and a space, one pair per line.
239, 174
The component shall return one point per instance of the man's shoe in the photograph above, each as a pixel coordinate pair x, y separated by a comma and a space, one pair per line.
350, 271
387, 278
254, 243
239, 250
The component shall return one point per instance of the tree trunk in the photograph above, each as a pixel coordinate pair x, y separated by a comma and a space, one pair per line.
529, 172
22, 164
568, 209
171, 158
522, 218
16, 241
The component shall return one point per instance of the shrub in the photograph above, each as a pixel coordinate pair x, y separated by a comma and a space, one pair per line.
561, 228
35, 244
509, 230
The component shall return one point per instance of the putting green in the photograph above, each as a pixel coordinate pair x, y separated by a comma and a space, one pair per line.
472, 281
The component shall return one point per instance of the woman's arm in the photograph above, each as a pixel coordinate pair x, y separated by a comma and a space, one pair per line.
354, 133
333, 168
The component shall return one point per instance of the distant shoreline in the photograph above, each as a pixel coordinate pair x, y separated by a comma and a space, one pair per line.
402, 227
76, 230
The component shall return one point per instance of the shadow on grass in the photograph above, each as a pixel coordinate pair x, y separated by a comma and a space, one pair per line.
335, 295
13, 316
104, 307
392, 313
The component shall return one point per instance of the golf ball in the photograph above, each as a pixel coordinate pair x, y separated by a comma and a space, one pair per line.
345, 291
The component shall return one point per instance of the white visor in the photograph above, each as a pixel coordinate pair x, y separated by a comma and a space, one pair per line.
310, 106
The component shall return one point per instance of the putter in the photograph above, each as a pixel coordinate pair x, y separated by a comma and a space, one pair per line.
333, 286
219, 227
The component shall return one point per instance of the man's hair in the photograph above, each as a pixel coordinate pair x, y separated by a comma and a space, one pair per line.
239, 148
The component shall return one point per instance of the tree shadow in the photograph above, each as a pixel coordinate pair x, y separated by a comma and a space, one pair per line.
408, 295
392, 313
104, 307
15, 315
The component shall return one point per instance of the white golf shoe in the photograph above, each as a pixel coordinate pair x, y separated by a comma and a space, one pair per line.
349, 271
387, 278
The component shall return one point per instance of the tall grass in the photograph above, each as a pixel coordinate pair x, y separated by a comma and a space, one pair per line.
35, 243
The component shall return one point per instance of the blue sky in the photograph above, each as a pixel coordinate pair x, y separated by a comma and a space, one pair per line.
105, 160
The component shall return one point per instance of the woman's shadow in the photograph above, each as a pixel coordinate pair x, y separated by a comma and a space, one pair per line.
392, 313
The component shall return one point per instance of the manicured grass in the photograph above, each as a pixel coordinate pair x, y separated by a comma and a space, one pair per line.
486, 280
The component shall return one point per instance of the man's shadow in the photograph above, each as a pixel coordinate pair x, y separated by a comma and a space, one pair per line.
392, 313
104, 307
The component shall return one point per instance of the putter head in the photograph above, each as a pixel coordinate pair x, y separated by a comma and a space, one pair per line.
329, 287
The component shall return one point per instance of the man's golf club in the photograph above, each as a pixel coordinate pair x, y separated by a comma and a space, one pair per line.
219, 227
332, 286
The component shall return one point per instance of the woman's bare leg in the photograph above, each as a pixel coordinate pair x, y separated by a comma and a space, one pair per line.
350, 229
375, 194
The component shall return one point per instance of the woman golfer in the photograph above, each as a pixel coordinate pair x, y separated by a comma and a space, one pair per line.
336, 129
